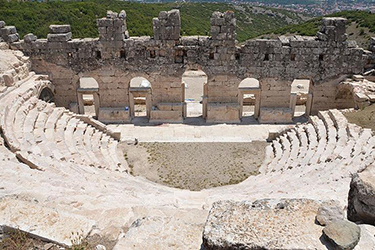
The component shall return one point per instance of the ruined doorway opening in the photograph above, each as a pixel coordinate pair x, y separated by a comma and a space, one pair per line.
248, 105
301, 97
140, 98
140, 106
249, 98
194, 82
88, 96
88, 104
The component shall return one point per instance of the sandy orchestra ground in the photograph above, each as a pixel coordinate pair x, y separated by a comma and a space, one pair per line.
195, 166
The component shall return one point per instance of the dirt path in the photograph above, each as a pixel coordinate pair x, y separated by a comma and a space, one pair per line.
195, 166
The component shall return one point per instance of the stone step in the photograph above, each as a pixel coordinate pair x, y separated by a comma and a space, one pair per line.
104, 147
79, 142
295, 144
340, 123
87, 138
95, 145
28, 129
331, 136
286, 146
269, 156
60, 136
21, 117
322, 137
353, 132
9, 120
69, 139
312, 144
303, 141
363, 148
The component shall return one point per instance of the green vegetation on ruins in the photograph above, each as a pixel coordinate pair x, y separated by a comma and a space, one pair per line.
34, 17
360, 28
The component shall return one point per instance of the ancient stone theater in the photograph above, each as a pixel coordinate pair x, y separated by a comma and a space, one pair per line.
63, 172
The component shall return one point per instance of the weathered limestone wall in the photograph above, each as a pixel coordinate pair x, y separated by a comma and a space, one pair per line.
114, 59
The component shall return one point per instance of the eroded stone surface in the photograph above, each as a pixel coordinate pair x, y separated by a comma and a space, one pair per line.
179, 230
269, 224
46, 223
329, 211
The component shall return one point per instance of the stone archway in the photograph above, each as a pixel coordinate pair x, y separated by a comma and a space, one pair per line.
47, 95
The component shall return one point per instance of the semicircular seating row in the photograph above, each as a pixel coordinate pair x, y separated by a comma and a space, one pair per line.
328, 141
42, 135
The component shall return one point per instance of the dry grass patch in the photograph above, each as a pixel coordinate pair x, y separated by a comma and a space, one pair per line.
195, 166
364, 118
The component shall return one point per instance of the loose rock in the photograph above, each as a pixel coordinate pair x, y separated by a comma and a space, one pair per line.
342, 234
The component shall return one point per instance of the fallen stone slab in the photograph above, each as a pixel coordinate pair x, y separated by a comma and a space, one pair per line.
263, 224
342, 234
361, 200
42, 222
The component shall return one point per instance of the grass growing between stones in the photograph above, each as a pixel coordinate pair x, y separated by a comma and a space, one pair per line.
196, 166
364, 118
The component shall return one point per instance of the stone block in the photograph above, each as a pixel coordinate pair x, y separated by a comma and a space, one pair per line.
166, 116
263, 224
13, 38
7, 30
2, 24
30, 38
59, 29
275, 115
113, 115
111, 14
223, 112
59, 37
104, 22
122, 14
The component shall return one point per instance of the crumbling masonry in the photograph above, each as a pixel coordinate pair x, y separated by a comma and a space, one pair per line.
114, 59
